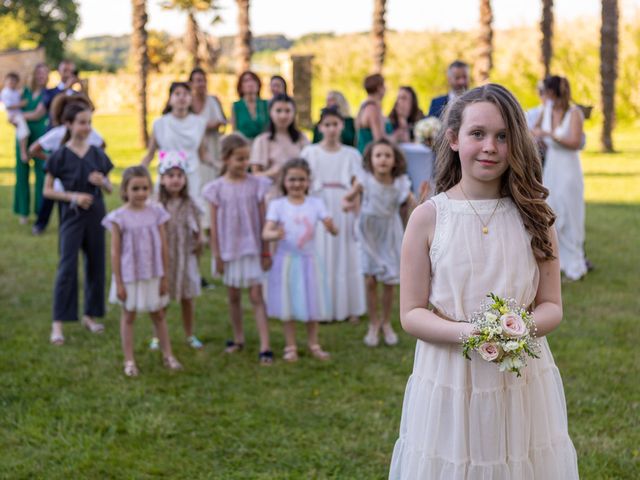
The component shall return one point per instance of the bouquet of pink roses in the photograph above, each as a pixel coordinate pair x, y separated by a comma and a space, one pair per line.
504, 333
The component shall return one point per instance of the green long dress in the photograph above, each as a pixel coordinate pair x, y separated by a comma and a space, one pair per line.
22, 193
347, 137
247, 125
365, 135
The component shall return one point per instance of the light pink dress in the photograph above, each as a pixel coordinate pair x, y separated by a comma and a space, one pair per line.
239, 227
141, 256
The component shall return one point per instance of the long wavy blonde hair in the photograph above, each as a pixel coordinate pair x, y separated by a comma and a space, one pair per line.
522, 181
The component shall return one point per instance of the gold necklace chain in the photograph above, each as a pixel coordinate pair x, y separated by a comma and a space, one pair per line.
485, 226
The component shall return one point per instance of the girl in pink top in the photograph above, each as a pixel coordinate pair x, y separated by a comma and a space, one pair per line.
238, 253
139, 262
280, 143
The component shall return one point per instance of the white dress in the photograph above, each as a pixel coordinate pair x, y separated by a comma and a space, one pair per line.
185, 134
332, 173
465, 420
563, 177
379, 227
211, 111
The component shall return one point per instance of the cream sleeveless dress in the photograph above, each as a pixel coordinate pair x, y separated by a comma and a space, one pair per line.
464, 420
563, 177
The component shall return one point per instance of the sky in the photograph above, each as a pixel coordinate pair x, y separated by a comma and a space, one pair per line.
298, 17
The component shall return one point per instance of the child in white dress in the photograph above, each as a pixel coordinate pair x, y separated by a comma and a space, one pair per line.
385, 188
333, 169
488, 230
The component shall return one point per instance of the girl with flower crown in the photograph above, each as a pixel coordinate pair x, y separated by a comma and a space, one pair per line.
488, 229
184, 239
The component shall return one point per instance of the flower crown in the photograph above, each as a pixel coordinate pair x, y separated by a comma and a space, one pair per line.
172, 159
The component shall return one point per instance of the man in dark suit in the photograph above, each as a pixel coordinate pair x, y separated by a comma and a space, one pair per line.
458, 79
68, 77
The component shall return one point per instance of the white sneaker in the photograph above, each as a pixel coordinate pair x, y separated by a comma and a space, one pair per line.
390, 337
154, 344
371, 339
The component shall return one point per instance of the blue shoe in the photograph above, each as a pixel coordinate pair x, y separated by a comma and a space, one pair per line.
154, 344
194, 342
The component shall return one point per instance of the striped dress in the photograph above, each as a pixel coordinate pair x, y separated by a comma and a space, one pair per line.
297, 286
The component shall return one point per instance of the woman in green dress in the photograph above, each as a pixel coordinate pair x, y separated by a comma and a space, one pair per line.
336, 100
250, 114
36, 115
370, 123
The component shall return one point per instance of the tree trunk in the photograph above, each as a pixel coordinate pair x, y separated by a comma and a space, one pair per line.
546, 26
191, 39
141, 61
608, 69
484, 60
377, 32
243, 38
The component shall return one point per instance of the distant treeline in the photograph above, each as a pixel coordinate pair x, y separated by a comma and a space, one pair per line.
110, 53
420, 59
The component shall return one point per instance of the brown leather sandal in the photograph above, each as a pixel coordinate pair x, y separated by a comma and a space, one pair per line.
317, 352
290, 354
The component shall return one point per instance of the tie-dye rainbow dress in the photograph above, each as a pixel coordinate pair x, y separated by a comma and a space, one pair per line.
297, 286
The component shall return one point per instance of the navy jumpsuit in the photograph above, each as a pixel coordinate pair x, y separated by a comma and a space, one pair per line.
80, 229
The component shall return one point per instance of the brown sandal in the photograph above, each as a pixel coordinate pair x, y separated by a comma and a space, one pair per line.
172, 363
317, 352
130, 368
290, 354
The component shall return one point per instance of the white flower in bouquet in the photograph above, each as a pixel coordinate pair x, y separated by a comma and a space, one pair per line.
504, 333
426, 130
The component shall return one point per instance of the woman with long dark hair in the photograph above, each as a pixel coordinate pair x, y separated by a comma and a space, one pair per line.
405, 114
180, 130
281, 142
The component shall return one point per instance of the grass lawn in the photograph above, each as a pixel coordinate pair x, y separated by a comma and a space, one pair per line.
70, 413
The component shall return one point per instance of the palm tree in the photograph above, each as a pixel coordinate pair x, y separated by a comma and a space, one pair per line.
546, 26
191, 8
243, 37
141, 62
484, 60
377, 32
608, 69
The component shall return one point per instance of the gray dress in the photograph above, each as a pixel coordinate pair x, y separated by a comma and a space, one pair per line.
379, 227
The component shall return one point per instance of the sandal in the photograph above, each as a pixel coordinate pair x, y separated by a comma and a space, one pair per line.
130, 369
290, 354
93, 327
172, 363
56, 339
233, 347
265, 358
317, 352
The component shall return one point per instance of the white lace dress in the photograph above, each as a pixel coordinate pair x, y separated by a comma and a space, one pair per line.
563, 177
465, 420
332, 173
